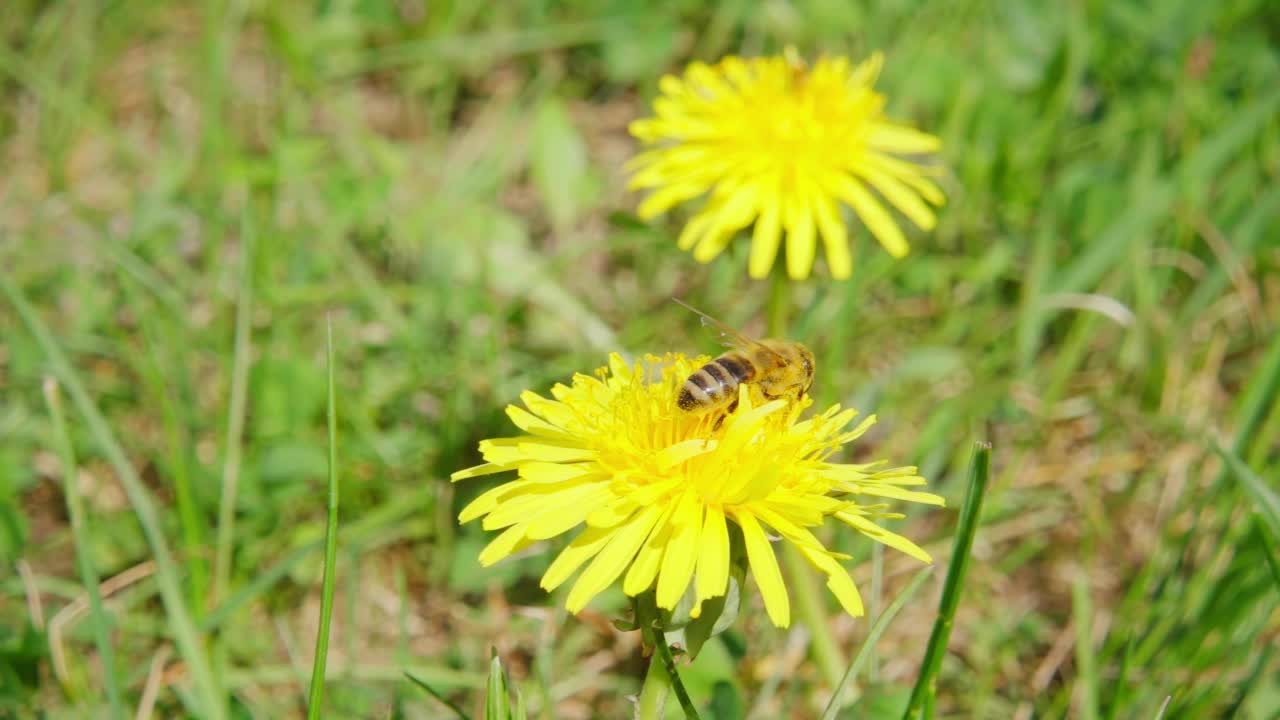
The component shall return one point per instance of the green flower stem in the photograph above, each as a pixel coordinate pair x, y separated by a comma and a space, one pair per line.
804, 585
662, 677
779, 302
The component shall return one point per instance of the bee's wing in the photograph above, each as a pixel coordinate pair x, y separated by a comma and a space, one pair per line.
729, 336
724, 337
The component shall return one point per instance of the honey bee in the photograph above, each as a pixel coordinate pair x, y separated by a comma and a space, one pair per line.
781, 368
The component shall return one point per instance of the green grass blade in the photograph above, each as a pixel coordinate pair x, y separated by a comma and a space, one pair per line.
520, 712
235, 421
1266, 499
80, 535
1271, 550
968, 527
1121, 680
186, 637
170, 400
1250, 682
315, 698
1086, 661
867, 650
1257, 400
462, 715
497, 706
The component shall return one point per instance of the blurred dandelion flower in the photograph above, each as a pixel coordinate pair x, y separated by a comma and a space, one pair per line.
782, 146
657, 488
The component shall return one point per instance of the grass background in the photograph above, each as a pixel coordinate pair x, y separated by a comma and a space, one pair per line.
189, 190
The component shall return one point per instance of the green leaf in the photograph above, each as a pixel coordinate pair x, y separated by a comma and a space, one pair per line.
718, 614
497, 706
558, 164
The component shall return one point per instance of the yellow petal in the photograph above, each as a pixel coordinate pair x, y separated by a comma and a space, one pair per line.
682, 552
713, 555
909, 173
583, 548
805, 508
897, 493
834, 238
645, 567
785, 527
612, 560
764, 567
801, 241
868, 71
901, 139
554, 453
694, 230
613, 513
858, 431
557, 520
729, 219
765, 241
838, 581
509, 541
479, 470
746, 422
553, 412
674, 455
669, 196
893, 540
488, 500
901, 197
654, 491
533, 424
535, 500
619, 367
873, 215
548, 472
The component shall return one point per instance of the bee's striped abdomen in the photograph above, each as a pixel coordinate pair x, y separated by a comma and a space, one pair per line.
715, 383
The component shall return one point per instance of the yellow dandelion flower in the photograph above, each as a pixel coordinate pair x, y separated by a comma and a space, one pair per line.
782, 146
655, 489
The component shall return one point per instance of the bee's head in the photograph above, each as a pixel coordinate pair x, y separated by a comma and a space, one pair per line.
807, 365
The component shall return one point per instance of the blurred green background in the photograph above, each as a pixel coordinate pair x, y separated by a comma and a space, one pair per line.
190, 189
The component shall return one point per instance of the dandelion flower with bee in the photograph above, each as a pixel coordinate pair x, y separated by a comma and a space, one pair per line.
783, 146
653, 493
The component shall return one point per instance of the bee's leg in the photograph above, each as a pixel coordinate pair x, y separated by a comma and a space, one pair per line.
792, 393
728, 410
771, 393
